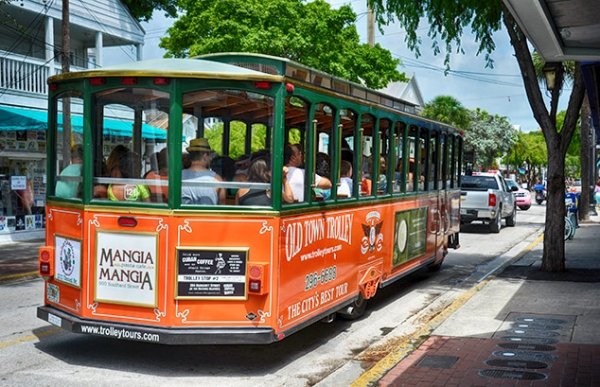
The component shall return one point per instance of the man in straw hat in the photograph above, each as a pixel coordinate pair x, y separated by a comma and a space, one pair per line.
199, 171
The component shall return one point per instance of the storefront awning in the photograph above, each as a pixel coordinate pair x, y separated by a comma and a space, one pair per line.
13, 118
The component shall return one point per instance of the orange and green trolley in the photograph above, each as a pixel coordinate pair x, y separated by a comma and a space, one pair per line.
140, 248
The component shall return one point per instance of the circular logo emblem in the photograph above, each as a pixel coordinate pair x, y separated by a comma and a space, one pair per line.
402, 233
67, 258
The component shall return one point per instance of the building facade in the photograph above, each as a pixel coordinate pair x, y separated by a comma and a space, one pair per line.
30, 52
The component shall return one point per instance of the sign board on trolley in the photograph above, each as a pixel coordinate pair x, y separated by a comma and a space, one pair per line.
126, 268
211, 273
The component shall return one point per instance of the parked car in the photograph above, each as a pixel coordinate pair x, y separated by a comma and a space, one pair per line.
522, 195
486, 197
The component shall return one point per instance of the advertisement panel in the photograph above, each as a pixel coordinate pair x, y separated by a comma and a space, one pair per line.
126, 268
410, 235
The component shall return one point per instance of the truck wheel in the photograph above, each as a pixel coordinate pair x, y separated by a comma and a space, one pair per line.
496, 224
512, 219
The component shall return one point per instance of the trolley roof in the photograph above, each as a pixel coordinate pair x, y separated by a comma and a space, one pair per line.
252, 67
177, 68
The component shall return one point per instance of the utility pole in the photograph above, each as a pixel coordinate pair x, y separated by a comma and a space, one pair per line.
66, 67
66, 37
370, 26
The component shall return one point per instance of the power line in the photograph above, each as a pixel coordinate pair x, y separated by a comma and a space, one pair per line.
104, 29
24, 32
475, 76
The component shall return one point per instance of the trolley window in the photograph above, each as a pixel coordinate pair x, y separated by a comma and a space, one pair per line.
68, 135
229, 151
130, 130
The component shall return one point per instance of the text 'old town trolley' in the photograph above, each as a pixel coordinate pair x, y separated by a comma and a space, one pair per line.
235, 198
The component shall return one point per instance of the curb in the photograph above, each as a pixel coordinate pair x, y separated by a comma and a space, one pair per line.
414, 340
10, 277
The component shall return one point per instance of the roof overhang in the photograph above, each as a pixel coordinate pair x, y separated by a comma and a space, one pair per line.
560, 30
565, 31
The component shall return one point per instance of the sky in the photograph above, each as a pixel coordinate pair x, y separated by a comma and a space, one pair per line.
498, 90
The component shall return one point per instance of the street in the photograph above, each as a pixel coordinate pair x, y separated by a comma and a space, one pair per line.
324, 354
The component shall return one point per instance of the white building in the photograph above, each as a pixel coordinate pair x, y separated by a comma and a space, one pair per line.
31, 51
407, 91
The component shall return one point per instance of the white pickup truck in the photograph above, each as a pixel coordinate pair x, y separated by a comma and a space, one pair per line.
486, 197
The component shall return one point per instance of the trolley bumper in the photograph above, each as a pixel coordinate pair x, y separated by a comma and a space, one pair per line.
149, 334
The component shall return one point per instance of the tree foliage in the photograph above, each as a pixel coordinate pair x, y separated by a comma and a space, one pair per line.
311, 33
447, 21
447, 109
142, 9
489, 136
529, 151
237, 138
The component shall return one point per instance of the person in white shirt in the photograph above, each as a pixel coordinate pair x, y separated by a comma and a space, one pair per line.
294, 160
345, 188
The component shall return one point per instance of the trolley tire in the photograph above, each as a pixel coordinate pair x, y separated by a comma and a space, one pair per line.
435, 267
355, 310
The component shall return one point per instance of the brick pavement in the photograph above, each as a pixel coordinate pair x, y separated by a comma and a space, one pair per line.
460, 361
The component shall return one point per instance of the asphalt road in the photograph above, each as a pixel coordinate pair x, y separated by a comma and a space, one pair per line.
333, 354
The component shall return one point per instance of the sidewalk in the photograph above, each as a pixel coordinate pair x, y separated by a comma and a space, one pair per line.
19, 259
523, 328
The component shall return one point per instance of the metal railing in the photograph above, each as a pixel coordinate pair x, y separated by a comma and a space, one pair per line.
25, 74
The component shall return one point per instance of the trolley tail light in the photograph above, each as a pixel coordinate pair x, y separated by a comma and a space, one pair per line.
97, 81
258, 278
127, 221
263, 85
492, 200
161, 81
128, 81
46, 262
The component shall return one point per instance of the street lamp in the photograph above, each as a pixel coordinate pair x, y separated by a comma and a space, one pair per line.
552, 75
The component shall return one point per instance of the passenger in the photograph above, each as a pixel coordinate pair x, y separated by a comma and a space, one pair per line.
128, 167
365, 182
224, 166
185, 160
71, 189
158, 192
293, 161
398, 174
322, 169
199, 171
259, 172
382, 182
115, 155
345, 188
100, 190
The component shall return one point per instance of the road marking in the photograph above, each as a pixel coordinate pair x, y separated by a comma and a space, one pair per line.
43, 332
